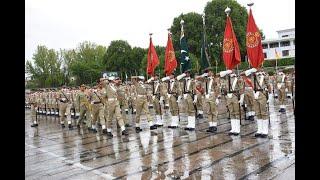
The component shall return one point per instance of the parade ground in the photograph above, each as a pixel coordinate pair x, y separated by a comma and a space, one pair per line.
55, 153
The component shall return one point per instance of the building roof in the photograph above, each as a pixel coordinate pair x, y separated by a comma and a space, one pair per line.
277, 40
285, 30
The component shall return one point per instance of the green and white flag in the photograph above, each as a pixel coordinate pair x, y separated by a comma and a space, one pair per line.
185, 60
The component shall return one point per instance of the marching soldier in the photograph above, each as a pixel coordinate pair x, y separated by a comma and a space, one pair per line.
83, 103
190, 98
142, 104
281, 88
199, 92
64, 98
113, 107
133, 94
97, 106
174, 94
248, 93
234, 97
34, 107
211, 99
123, 101
261, 89
156, 94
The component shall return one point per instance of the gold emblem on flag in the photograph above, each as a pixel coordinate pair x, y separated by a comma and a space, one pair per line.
227, 45
252, 39
171, 55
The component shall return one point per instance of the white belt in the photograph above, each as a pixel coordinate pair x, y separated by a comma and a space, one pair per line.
141, 95
112, 99
248, 88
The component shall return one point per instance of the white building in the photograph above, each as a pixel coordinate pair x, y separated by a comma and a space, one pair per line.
284, 45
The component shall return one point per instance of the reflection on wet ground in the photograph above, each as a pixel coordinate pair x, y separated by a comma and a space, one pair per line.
55, 153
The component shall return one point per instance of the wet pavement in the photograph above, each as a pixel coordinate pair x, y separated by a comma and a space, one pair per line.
55, 153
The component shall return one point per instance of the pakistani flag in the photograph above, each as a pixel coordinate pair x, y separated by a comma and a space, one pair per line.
185, 61
204, 62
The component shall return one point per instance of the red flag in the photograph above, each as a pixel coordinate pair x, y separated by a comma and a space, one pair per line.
231, 51
153, 60
253, 43
170, 62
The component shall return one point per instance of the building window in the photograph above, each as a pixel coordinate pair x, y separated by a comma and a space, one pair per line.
285, 53
273, 45
265, 46
284, 35
285, 43
265, 55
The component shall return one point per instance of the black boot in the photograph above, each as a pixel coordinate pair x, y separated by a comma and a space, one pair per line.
34, 125
264, 135
210, 130
109, 134
125, 132
70, 126
104, 131
153, 127
138, 129
200, 116
127, 125
257, 135
63, 126
251, 118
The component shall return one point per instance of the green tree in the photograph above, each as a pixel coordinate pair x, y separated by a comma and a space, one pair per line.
88, 62
215, 18
117, 58
45, 69
136, 56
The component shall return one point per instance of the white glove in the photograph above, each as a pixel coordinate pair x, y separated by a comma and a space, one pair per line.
217, 101
241, 99
179, 98
195, 99
185, 96
161, 98
286, 89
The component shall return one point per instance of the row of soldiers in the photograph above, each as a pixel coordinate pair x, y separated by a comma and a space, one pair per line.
111, 98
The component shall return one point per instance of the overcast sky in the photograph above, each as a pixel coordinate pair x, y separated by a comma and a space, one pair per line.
63, 24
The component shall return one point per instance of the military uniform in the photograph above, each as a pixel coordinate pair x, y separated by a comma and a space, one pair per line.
261, 87
142, 105
211, 101
174, 93
83, 103
113, 109
281, 88
248, 95
189, 99
235, 90
123, 101
97, 108
156, 96
34, 106
64, 97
